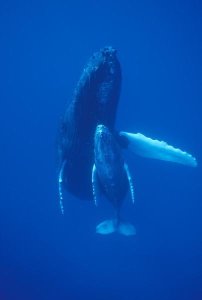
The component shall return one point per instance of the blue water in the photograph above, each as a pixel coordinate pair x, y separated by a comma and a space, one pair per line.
43, 48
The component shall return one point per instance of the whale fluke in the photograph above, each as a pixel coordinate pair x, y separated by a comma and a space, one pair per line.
111, 226
147, 147
126, 229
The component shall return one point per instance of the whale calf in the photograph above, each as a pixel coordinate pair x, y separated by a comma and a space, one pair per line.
111, 175
88, 142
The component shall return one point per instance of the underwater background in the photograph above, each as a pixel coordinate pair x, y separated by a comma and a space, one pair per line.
44, 46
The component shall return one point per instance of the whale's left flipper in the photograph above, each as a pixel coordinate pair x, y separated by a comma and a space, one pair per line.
147, 147
130, 182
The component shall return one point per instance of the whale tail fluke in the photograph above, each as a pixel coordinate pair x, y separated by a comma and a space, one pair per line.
111, 226
126, 229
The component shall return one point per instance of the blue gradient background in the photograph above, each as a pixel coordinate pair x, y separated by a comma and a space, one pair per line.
43, 48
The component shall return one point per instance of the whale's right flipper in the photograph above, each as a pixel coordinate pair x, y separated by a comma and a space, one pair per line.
111, 226
60, 182
147, 147
94, 184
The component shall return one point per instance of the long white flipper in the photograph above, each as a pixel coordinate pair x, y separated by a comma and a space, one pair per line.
60, 181
94, 184
130, 181
147, 147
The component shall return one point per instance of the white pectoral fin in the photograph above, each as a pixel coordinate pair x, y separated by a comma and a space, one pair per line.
60, 182
130, 181
147, 147
94, 184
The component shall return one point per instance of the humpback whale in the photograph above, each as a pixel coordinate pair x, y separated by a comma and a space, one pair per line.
111, 174
94, 101
89, 147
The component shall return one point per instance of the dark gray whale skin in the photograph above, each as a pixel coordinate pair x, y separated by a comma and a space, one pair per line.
94, 102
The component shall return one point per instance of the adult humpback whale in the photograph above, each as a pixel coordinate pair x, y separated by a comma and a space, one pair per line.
95, 102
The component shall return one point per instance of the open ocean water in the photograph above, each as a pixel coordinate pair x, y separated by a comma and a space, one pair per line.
44, 46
